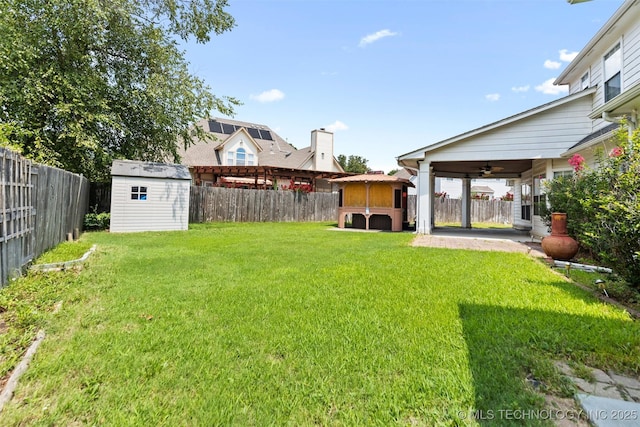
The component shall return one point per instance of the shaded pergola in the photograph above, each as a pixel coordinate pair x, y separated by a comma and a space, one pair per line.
258, 177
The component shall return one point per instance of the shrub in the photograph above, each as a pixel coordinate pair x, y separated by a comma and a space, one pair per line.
97, 221
603, 207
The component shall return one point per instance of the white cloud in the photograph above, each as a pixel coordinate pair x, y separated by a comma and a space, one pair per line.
519, 89
335, 126
567, 56
493, 97
269, 96
370, 38
552, 65
548, 88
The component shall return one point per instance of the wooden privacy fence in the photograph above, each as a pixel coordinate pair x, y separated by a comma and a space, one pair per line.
450, 210
39, 207
239, 205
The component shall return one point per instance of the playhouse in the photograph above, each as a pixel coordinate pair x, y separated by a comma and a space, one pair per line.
373, 202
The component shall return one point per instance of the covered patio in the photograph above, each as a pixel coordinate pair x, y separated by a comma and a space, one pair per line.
526, 149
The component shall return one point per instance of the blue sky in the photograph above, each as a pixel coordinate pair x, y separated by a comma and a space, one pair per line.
389, 77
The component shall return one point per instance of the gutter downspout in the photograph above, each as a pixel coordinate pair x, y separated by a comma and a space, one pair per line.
632, 122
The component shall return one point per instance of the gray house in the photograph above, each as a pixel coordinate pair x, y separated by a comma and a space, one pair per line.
148, 196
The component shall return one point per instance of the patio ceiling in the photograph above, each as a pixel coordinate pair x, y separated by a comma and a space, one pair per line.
475, 169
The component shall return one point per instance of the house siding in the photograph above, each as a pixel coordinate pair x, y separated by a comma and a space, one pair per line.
631, 58
166, 207
544, 135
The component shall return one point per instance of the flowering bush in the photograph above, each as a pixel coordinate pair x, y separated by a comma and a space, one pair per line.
440, 194
507, 197
577, 161
603, 207
616, 152
300, 188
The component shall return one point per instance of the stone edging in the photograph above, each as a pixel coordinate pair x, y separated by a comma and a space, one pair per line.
59, 266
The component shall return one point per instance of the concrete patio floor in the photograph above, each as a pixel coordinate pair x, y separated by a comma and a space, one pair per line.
481, 239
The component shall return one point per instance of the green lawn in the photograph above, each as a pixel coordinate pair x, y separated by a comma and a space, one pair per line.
300, 324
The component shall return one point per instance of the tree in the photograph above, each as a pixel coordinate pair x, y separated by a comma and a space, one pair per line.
393, 172
353, 164
83, 82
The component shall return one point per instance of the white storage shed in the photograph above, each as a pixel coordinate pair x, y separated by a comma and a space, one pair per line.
148, 196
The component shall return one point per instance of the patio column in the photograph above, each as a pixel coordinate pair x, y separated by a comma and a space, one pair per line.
466, 203
425, 199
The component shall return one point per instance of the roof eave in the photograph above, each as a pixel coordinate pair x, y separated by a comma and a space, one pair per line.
421, 152
568, 74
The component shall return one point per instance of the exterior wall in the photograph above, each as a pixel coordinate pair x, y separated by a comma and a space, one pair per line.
241, 140
631, 57
544, 135
630, 46
166, 207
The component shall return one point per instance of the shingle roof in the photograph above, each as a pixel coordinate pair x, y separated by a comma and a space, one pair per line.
275, 151
602, 131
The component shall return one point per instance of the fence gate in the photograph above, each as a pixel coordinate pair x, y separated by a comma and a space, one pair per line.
16, 214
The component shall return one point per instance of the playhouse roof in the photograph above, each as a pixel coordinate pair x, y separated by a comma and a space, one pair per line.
370, 177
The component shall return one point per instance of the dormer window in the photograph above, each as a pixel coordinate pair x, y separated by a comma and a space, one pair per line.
240, 157
612, 69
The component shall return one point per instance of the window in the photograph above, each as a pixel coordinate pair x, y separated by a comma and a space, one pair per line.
138, 193
612, 67
584, 81
525, 212
539, 198
240, 157
562, 174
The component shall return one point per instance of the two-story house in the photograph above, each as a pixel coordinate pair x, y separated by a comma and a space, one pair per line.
535, 145
250, 155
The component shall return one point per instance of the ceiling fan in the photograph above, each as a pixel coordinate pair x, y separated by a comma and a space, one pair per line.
488, 170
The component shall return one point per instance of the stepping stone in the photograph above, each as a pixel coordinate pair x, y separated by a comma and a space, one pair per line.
606, 412
601, 376
626, 382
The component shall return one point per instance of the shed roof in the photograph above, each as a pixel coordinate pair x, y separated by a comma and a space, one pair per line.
149, 170
482, 189
372, 177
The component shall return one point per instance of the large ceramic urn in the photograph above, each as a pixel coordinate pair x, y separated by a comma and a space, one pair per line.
559, 245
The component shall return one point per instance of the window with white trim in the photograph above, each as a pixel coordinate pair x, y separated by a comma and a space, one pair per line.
584, 81
562, 174
138, 193
539, 197
525, 202
612, 70
241, 156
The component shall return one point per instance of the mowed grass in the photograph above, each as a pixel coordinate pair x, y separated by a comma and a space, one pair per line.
300, 324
